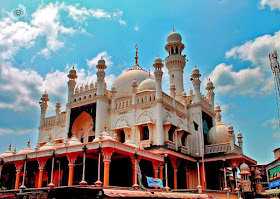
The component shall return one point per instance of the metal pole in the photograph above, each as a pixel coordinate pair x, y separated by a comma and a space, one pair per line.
83, 182
166, 174
51, 183
23, 177
98, 183
59, 177
198, 173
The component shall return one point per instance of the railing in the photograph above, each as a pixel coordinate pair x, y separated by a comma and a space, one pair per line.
180, 106
144, 143
49, 121
171, 145
144, 98
167, 99
173, 57
217, 148
123, 103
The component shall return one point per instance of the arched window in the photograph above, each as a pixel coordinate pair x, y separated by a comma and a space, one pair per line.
171, 133
172, 51
184, 139
144, 133
122, 136
176, 50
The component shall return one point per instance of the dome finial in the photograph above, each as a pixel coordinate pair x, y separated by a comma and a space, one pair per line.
136, 56
173, 28
74, 64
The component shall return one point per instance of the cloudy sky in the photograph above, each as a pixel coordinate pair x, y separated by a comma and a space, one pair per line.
228, 41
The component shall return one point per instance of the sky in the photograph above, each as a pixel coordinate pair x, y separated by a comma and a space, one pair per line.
228, 41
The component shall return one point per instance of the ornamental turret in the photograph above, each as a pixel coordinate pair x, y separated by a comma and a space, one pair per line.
196, 84
71, 82
239, 140
245, 180
231, 137
134, 87
44, 106
57, 111
175, 62
158, 75
101, 66
210, 93
257, 178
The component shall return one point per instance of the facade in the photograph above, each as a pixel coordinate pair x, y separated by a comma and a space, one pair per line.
273, 174
175, 136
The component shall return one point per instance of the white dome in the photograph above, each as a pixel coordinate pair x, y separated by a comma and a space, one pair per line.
218, 134
174, 37
244, 169
26, 150
47, 146
123, 82
7, 153
158, 60
195, 71
217, 108
73, 141
101, 61
147, 85
239, 134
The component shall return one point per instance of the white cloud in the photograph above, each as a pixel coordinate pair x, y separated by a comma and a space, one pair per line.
273, 4
93, 62
243, 82
136, 28
276, 135
257, 50
273, 122
22, 88
8, 131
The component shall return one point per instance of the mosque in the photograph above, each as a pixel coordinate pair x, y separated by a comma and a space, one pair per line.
105, 138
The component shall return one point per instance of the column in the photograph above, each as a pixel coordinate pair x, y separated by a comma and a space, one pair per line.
71, 159
187, 176
155, 168
107, 154
175, 163
18, 171
203, 180
42, 164
161, 172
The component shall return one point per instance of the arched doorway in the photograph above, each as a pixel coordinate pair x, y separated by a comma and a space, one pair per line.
83, 127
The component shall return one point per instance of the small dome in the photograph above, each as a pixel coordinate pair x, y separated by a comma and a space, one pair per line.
217, 108
47, 146
257, 172
209, 85
73, 141
105, 135
129, 143
7, 153
184, 93
239, 134
26, 150
73, 71
218, 134
244, 169
134, 82
230, 128
174, 37
158, 60
45, 96
101, 61
195, 71
190, 91
148, 84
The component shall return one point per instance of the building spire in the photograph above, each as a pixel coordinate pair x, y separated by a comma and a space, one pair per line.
136, 56
173, 28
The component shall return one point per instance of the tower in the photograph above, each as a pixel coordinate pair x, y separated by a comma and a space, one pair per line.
44, 106
239, 139
175, 62
245, 180
231, 137
72, 82
196, 84
100, 104
210, 93
159, 137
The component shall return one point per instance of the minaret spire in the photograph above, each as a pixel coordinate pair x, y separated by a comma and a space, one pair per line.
136, 56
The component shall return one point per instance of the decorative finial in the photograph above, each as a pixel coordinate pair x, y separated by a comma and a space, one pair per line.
173, 28
50, 138
74, 64
10, 146
136, 57
105, 127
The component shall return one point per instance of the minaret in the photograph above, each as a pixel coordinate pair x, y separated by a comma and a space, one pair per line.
72, 82
57, 110
44, 106
239, 140
245, 180
257, 178
231, 137
159, 136
100, 106
175, 62
196, 84
210, 93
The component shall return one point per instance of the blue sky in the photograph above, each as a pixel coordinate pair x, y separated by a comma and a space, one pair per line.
228, 41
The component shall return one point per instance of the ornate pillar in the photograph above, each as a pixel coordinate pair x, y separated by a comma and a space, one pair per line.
155, 168
107, 154
175, 163
161, 172
42, 163
19, 166
71, 159
187, 176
